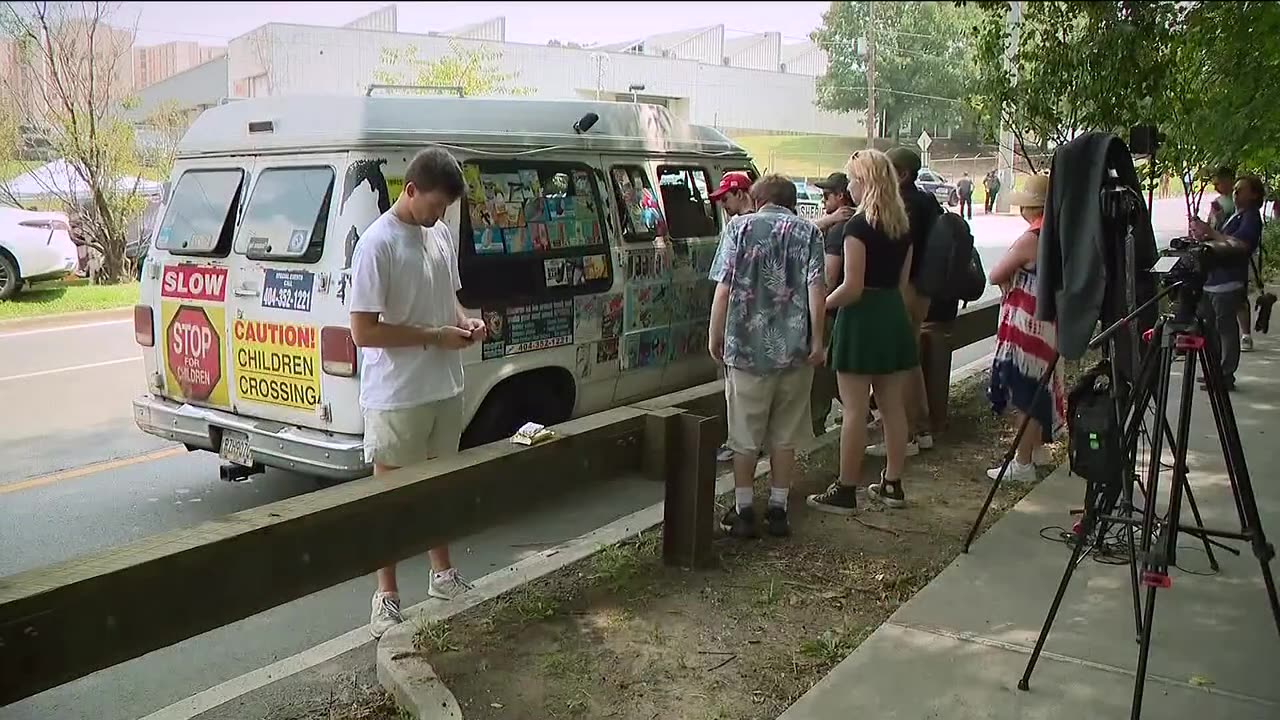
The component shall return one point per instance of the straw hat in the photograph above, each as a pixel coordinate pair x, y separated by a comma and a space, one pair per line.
1033, 194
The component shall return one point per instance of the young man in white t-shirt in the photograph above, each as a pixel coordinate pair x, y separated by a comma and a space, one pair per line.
406, 318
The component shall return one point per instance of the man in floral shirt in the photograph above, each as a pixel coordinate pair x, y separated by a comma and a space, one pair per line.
766, 328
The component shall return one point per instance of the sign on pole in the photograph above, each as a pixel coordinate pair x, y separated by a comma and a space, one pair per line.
923, 142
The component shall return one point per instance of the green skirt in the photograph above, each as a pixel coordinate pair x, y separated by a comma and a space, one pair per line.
873, 336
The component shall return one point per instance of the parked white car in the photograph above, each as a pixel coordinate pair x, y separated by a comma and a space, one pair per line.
34, 246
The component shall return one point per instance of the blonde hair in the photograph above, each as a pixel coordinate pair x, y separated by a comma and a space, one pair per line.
881, 202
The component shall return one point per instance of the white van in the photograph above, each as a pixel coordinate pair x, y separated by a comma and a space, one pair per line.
585, 238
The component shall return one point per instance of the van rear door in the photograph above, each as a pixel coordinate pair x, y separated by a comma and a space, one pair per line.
282, 297
186, 285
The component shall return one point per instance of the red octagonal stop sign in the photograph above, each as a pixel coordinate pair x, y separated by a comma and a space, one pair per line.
195, 352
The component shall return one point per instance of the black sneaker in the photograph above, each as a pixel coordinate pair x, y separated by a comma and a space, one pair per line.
888, 492
838, 499
775, 522
740, 524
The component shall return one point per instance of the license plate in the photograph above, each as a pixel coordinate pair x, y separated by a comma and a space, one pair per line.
235, 448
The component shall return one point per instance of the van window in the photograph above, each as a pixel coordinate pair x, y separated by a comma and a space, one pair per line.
287, 215
750, 171
202, 213
530, 230
685, 195
637, 205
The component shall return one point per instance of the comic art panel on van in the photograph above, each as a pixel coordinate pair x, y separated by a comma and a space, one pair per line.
276, 363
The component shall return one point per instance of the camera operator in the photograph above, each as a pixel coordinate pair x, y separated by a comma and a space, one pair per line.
1226, 287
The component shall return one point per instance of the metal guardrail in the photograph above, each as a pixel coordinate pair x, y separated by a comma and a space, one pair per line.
67, 620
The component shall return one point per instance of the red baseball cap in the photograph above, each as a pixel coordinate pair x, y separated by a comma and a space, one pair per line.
732, 181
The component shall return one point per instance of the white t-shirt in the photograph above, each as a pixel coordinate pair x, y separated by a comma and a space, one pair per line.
409, 276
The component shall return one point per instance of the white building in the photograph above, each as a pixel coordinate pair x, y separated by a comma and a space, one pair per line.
753, 84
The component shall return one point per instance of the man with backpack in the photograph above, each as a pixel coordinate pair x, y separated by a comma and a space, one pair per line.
944, 269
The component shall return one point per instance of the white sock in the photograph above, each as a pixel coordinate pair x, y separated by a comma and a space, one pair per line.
743, 497
778, 497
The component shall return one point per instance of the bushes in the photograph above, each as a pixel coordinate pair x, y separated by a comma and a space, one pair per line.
1271, 250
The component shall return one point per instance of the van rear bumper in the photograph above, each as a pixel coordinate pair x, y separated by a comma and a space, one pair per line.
311, 452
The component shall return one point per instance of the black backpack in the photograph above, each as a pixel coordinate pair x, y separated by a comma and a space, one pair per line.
951, 266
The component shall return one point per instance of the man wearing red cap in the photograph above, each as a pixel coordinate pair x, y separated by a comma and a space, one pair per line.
734, 194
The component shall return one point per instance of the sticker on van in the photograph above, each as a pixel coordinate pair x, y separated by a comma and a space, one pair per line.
194, 282
193, 352
277, 363
287, 289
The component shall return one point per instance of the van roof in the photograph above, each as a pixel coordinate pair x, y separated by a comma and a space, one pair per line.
339, 122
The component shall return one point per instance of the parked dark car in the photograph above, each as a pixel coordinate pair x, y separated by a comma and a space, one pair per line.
931, 182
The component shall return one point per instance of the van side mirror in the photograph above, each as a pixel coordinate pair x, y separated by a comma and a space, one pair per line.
586, 122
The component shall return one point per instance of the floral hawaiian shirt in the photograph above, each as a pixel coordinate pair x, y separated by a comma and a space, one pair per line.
769, 259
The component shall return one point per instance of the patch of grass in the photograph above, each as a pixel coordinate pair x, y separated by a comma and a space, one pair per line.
617, 567
828, 648
435, 637
531, 605
59, 298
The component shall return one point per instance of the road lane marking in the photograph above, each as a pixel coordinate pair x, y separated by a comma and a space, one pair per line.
73, 368
90, 470
81, 326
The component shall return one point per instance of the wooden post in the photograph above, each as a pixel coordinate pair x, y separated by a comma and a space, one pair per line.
689, 510
659, 456
935, 360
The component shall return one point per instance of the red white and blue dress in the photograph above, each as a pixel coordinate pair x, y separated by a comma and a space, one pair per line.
1025, 347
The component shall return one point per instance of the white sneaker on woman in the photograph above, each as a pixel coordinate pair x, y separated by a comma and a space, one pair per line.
879, 449
447, 585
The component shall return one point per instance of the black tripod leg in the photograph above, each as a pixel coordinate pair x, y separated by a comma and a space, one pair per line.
1141, 397
1209, 543
1242, 485
1161, 554
1077, 552
1008, 458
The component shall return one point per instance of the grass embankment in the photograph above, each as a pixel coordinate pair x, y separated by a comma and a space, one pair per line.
622, 636
57, 298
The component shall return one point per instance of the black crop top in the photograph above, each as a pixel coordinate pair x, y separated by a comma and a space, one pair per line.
884, 254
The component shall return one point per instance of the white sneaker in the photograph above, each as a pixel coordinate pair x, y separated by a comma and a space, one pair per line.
724, 454
1041, 457
1246, 343
447, 585
925, 441
879, 449
1017, 472
386, 613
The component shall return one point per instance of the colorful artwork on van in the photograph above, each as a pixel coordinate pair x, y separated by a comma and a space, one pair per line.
540, 237
539, 326
648, 306
519, 240
647, 348
276, 363
596, 267
488, 240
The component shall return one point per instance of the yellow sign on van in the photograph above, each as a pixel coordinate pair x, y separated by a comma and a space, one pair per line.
277, 363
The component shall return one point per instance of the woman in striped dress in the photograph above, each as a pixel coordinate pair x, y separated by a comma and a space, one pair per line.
1025, 346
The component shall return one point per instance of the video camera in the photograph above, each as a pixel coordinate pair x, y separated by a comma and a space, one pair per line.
1186, 261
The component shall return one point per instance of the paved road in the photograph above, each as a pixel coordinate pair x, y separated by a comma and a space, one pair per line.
76, 476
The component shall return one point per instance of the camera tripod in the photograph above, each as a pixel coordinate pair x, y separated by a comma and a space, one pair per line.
1182, 332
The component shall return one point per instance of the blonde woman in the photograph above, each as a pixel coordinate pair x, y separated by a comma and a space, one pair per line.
872, 343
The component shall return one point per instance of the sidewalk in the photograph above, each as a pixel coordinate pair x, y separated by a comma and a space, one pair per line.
958, 648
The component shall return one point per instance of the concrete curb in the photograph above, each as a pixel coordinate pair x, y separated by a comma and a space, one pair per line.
405, 672
72, 318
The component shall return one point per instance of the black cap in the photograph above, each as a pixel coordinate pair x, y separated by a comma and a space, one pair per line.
836, 182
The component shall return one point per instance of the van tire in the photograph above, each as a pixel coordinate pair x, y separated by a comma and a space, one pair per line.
544, 396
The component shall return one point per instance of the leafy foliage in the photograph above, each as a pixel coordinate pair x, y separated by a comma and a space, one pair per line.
477, 71
1079, 66
922, 58
68, 84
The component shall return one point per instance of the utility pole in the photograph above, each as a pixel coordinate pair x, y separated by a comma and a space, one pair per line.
1005, 162
871, 75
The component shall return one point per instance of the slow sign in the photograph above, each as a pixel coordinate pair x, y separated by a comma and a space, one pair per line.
193, 352
194, 282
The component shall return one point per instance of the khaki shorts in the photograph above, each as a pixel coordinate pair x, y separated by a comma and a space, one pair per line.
399, 438
768, 411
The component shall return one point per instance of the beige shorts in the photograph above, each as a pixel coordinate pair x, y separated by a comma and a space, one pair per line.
768, 411
399, 438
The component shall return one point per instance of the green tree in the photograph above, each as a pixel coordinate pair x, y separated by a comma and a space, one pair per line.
476, 71
70, 82
1078, 66
922, 60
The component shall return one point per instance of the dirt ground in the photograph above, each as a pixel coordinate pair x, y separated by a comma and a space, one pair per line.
621, 636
